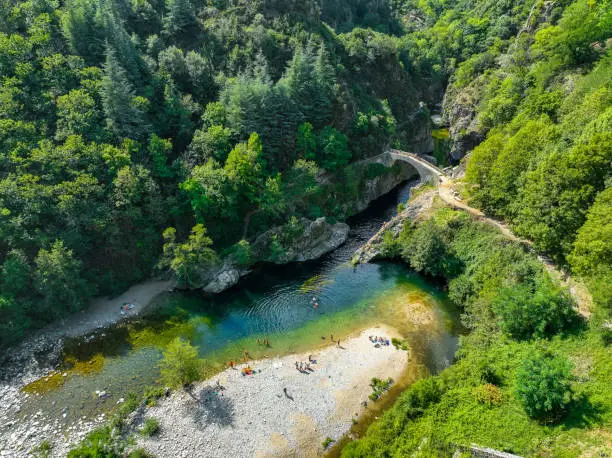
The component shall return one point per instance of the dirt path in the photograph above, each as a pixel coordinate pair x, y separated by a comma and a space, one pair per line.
582, 297
447, 191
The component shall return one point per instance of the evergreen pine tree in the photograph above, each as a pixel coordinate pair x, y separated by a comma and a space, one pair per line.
326, 81
84, 30
123, 118
124, 48
301, 82
179, 20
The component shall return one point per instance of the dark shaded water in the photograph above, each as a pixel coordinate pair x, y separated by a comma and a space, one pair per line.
275, 302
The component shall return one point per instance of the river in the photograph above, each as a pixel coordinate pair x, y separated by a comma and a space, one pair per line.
275, 302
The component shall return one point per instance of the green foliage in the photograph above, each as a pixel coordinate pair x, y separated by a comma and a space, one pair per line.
333, 147
400, 344
475, 399
150, 428
42, 450
184, 259
242, 253
592, 254
327, 442
425, 250
527, 311
489, 395
306, 142
379, 387
101, 442
180, 364
124, 118
57, 278
543, 386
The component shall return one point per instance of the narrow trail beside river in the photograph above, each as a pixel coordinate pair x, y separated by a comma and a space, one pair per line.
447, 190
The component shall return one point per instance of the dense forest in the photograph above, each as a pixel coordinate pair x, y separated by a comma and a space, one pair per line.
531, 375
127, 125
150, 136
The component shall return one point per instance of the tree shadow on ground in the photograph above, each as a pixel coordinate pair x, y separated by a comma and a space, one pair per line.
582, 413
213, 407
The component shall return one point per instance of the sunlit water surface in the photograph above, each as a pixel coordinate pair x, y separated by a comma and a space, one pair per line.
274, 303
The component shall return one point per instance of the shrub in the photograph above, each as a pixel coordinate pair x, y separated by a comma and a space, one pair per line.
150, 427
42, 450
140, 453
390, 247
399, 344
328, 440
379, 387
543, 386
101, 442
152, 394
243, 253
488, 394
180, 364
525, 312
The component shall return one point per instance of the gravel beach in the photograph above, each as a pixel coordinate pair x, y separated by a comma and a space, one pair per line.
253, 415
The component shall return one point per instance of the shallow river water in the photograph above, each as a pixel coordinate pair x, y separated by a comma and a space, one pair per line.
275, 302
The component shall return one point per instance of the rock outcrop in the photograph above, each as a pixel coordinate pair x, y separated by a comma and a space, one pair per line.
318, 238
460, 112
382, 184
222, 276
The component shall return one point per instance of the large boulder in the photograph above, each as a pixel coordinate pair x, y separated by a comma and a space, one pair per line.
280, 246
223, 276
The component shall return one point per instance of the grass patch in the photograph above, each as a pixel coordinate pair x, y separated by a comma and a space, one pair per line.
150, 428
327, 442
379, 387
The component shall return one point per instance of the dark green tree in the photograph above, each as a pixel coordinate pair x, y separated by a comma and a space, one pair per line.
543, 386
124, 118
527, 311
58, 279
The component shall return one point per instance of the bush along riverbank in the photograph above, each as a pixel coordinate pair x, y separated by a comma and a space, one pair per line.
531, 377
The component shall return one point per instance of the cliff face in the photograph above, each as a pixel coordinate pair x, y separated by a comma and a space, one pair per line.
459, 107
306, 240
373, 188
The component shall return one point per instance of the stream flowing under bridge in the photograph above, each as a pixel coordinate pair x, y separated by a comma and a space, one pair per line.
446, 190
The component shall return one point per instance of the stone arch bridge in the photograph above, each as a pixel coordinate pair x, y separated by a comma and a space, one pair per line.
426, 170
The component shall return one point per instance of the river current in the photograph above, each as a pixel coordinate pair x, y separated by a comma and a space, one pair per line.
273, 303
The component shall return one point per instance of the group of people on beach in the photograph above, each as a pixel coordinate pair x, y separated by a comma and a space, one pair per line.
304, 367
379, 340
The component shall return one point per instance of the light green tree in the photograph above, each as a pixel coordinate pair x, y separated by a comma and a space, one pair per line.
184, 259
180, 364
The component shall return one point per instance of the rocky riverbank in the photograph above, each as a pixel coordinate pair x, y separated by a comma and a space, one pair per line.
40, 353
413, 210
279, 411
315, 239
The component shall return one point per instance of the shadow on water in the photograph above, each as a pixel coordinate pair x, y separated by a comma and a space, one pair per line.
274, 303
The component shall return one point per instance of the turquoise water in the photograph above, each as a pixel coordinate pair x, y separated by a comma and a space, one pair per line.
275, 303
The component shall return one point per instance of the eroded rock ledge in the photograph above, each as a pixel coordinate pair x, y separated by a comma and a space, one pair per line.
317, 238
